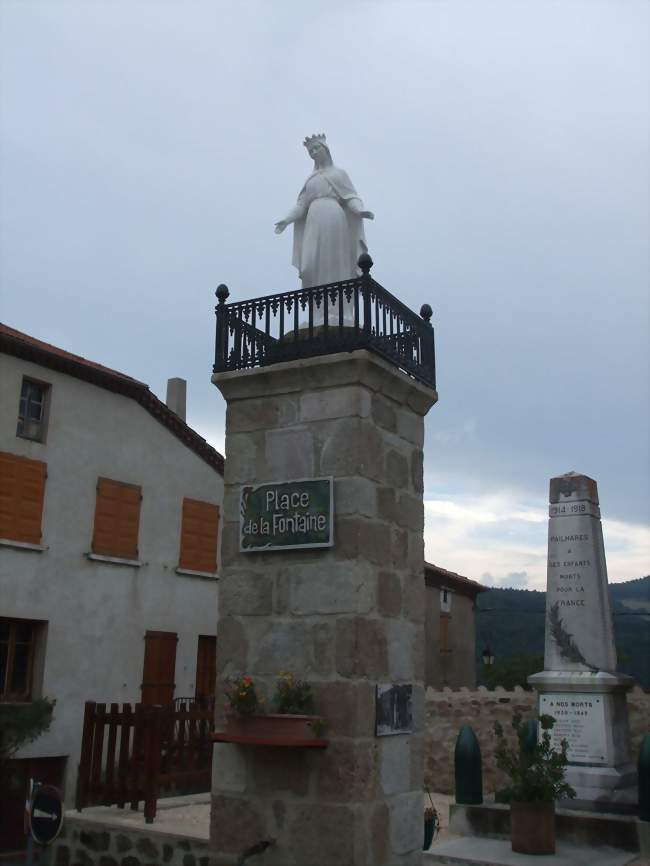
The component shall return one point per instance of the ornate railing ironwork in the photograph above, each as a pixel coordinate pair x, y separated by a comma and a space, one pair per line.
338, 317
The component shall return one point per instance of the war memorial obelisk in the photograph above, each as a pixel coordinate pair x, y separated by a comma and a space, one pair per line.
580, 686
327, 387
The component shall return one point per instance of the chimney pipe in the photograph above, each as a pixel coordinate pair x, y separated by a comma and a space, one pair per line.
177, 396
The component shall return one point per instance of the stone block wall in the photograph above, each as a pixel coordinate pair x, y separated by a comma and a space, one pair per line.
446, 711
86, 843
344, 618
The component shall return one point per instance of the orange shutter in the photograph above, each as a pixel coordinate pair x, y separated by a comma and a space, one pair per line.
117, 519
22, 487
199, 534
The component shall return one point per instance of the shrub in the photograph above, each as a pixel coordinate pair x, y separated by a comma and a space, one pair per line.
535, 768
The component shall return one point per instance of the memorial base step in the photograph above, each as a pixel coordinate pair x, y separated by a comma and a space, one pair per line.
492, 821
479, 851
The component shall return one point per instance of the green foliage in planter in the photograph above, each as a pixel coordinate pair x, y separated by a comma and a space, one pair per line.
318, 726
292, 696
536, 771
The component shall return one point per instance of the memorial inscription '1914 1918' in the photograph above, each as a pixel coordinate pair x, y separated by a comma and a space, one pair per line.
287, 515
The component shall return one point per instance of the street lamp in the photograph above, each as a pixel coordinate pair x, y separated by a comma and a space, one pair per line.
488, 656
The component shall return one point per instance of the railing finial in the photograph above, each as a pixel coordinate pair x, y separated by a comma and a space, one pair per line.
222, 293
426, 312
365, 263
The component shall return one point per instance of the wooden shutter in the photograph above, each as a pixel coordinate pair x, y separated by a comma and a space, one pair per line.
444, 633
22, 487
206, 666
199, 533
159, 667
117, 519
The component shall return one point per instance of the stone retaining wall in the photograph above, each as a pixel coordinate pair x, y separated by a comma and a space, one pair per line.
447, 711
83, 843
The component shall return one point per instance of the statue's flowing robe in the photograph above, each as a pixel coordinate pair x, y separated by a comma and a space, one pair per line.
328, 236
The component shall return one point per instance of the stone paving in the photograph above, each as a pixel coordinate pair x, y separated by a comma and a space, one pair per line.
180, 816
190, 817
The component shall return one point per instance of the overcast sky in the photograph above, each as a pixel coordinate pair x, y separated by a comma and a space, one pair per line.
148, 148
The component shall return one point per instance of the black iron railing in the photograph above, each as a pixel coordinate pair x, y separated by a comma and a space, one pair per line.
338, 317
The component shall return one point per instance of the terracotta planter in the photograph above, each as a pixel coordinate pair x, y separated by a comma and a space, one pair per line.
274, 729
532, 828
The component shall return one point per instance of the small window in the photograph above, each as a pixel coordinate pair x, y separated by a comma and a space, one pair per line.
117, 519
32, 410
445, 600
17, 639
199, 534
22, 489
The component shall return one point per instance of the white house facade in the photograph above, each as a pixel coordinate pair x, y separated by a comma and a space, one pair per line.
109, 511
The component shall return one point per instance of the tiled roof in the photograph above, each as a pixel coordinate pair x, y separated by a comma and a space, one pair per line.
14, 342
437, 576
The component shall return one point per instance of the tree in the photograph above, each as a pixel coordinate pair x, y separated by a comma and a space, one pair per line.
511, 672
21, 724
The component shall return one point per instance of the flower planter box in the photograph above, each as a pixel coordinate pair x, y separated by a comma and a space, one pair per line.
271, 730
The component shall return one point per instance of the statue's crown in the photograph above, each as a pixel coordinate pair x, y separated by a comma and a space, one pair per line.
315, 139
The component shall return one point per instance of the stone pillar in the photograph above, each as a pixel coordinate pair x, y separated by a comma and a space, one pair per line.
580, 686
343, 618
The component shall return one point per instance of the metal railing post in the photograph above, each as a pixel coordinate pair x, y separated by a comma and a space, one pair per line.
428, 346
220, 350
365, 263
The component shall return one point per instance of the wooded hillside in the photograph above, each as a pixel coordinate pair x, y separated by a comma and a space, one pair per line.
511, 623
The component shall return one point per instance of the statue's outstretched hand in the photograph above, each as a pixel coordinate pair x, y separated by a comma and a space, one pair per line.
367, 215
280, 227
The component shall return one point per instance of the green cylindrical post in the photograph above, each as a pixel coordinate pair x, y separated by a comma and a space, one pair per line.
468, 769
644, 779
530, 740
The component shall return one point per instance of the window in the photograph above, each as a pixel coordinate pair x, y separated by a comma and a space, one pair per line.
445, 600
32, 410
17, 638
444, 633
117, 519
199, 534
22, 487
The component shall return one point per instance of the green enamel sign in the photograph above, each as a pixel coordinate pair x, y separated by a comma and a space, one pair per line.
287, 515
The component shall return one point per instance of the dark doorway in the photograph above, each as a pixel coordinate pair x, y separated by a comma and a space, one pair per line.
206, 667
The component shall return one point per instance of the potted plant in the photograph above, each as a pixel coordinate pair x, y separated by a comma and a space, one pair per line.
292, 724
431, 823
293, 701
536, 771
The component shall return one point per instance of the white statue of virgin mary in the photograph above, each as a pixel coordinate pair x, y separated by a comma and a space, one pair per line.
328, 235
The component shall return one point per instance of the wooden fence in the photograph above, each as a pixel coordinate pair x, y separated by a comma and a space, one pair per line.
132, 754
